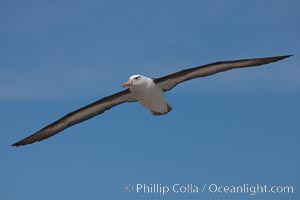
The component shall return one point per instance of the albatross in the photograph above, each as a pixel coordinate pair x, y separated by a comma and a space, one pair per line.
148, 91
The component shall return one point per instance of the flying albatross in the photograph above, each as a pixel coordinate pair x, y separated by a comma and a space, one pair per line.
148, 91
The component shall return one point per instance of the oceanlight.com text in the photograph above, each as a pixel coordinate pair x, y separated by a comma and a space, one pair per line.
250, 189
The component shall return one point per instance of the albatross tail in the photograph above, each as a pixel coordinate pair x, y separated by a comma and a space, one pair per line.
169, 108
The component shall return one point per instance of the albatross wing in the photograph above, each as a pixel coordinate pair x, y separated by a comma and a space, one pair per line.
78, 116
170, 81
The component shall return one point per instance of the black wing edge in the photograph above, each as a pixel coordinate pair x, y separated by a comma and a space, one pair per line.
37, 137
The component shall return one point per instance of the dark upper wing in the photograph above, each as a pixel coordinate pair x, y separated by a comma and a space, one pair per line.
171, 80
78, 116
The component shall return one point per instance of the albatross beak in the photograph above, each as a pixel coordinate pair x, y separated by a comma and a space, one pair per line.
128, 83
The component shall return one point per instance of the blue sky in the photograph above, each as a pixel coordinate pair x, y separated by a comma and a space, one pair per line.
237, 127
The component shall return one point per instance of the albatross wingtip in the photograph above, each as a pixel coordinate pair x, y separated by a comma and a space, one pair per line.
23, 142
17, 144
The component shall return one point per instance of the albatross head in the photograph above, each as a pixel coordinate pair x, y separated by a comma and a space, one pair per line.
135, 80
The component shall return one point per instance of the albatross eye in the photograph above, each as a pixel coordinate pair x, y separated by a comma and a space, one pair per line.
137, 78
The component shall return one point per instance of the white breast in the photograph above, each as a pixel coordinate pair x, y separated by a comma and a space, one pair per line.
150, 96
